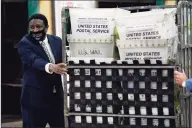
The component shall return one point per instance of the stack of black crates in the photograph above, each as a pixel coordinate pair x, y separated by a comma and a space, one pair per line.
120, 94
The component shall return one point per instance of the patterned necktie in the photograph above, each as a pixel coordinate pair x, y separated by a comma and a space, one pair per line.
47, 52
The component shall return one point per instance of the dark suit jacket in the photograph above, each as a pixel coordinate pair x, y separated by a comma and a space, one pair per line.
37, 85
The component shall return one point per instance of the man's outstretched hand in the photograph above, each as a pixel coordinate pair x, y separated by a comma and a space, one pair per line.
179, 77
60, 68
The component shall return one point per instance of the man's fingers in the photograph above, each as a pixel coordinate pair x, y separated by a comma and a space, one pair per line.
64, 70
176, 73
176, 77
62, 65
177, 81
61, 72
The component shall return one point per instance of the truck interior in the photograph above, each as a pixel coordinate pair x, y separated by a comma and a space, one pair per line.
14, 22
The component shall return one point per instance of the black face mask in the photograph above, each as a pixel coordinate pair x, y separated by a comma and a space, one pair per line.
38, 36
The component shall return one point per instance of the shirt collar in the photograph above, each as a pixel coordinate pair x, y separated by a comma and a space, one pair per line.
45, 40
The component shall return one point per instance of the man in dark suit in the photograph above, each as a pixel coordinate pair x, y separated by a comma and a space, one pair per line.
42, 91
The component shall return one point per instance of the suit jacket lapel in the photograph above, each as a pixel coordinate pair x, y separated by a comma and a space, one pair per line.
38, 46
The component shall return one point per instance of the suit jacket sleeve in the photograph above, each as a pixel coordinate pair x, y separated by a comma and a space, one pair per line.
29, 57
189, 84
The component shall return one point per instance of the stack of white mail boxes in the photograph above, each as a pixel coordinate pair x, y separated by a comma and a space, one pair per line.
150, 35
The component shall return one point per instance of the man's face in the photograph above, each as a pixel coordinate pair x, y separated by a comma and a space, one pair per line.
37, 29
36, 25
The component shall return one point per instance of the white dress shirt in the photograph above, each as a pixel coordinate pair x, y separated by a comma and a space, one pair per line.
184, 84
50, 52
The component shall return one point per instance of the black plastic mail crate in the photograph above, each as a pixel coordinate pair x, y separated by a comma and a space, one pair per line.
122, 88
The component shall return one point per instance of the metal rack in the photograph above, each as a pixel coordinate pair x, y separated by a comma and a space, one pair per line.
119, 76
